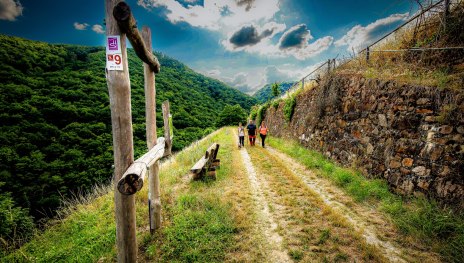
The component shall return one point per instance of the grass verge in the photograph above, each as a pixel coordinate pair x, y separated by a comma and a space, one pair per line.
199, 223
439, 228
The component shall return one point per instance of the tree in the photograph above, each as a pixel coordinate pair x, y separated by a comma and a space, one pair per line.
275, 89
231, 115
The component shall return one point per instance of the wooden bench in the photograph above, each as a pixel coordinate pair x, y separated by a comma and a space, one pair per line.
207, 165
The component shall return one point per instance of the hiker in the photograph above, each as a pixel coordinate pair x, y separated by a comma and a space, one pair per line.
262, 132
241, 135
252, 132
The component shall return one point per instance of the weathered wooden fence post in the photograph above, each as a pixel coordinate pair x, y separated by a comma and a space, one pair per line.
154, 201
367, 54
121, 122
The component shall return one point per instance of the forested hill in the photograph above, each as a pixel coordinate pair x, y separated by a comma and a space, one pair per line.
265, 93
55, 133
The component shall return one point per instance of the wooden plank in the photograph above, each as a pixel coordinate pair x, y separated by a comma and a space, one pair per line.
203, 165
168, 128
134, 177
199, 165
127, 24
154, 201
121, 122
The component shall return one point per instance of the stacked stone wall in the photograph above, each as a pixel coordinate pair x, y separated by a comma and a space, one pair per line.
411, 136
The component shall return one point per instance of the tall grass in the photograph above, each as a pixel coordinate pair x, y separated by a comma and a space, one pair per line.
440, 228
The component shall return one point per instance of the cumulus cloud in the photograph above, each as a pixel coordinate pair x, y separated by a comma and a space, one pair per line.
216, 14
359, 37
250, 35
296, 37
10, 9
247, 3
80, 26
98, 29
294, 42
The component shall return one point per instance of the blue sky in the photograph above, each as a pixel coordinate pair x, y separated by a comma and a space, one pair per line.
245, 43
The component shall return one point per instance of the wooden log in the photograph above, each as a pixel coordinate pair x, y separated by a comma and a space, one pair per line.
127, 24
168, 128
154, 201
133, 178
121, 124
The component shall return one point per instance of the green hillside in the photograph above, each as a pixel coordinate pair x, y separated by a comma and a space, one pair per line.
265, 93
55, 133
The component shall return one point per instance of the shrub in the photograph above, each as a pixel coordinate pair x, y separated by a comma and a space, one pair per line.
289, 108
17, 226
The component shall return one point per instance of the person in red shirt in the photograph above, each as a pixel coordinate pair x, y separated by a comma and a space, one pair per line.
263, 132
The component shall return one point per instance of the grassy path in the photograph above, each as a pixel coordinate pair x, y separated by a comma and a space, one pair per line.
311, 230
265, 206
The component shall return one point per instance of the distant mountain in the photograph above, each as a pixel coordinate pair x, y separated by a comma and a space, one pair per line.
264, 94
55, 132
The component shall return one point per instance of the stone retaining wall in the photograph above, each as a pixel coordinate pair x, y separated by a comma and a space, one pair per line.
411, 136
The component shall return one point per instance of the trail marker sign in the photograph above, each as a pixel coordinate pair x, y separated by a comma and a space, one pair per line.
113, 53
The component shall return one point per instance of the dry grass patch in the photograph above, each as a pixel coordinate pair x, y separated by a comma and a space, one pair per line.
311, 230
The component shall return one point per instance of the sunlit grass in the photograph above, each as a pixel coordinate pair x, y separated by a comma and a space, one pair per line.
198, 224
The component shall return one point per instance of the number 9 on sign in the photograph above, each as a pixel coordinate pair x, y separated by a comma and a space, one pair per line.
117, 59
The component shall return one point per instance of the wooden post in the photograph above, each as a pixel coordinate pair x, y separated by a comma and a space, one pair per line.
328, 66
121, 122
127, 24
446, 13
367, 54
154, 201
168, 128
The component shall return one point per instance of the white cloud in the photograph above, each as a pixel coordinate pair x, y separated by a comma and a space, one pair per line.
216, 14
311, 50
80, 26
10, 9
359, 37
98, 29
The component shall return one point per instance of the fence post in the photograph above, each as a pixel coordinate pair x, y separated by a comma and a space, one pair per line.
446, 13
154, 202
328, 66
302, 83
121, 123
367, 54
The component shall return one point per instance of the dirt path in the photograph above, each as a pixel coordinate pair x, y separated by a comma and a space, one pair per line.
266, 221
367, 222
373, 226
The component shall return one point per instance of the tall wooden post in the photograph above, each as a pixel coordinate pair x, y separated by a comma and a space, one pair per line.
154, 202
121, 122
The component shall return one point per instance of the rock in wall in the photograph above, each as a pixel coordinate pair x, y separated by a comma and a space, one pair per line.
411, 136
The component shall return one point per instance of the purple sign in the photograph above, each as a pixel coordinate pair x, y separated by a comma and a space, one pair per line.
112, 43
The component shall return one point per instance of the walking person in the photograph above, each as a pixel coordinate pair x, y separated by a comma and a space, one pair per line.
252, 132
241, 135
262, 132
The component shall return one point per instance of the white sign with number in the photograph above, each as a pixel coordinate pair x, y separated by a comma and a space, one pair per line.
113, 53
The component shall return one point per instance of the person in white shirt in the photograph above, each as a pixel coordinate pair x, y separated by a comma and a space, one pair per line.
241, 135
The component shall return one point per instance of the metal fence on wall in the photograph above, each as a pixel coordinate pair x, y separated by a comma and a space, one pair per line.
418, 23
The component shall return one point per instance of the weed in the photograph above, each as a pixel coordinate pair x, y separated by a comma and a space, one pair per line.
296, 254
325, 234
